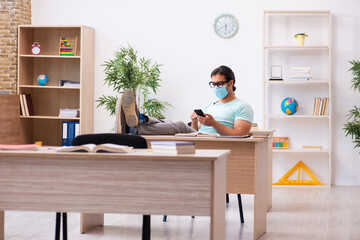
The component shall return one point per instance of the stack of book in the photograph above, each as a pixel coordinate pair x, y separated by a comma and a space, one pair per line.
68, 83
300, 74
175, 147
320, 106
69, 113
26, 105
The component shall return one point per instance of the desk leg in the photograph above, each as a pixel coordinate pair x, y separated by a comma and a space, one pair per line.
89, 221
260, 190
2, 225
217, 231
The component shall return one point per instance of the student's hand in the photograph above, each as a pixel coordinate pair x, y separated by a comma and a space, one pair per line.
208, 120
194, 117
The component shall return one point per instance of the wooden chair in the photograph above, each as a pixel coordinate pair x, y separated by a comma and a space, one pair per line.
100, 138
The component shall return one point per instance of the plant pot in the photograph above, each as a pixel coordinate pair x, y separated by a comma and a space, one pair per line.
300, 39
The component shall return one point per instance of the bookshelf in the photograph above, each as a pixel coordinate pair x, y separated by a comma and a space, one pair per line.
46, 125
302, 128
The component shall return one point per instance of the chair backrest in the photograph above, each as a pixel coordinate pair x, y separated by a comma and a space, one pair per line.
100, 138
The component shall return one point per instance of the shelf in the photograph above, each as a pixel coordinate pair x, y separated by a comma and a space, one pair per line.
48, 56
297, 47
49, 117
298, 116
280, 48
290, 82
300, 151
48, 87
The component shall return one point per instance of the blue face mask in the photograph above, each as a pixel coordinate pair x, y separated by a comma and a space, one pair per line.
220, 92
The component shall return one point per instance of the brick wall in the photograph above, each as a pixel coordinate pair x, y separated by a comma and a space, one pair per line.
12, 14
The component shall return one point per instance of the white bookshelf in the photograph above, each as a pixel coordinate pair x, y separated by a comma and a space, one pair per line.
302, 128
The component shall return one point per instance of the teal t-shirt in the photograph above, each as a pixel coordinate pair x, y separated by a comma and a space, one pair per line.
227, 113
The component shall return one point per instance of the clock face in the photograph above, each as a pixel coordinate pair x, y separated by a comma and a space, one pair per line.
226, 26
35, 50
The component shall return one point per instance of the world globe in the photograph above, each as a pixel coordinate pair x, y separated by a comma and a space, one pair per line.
289, 106
42, 80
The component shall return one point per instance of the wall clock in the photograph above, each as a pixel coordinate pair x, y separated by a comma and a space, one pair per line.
226, 26
35, 48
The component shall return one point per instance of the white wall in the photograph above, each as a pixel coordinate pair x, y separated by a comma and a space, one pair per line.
179, 35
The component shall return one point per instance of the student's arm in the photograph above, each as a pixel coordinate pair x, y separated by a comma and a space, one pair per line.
241, 127
194, 121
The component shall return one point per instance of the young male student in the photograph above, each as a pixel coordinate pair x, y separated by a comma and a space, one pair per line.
228, 115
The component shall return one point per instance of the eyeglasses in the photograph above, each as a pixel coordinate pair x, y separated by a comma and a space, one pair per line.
218, 84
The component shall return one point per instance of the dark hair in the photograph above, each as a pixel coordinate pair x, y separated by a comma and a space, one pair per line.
226, 72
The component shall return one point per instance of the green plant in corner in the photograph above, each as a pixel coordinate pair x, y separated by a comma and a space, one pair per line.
352, 127
128, 71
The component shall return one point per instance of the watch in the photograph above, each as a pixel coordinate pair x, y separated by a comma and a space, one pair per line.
35, 48
226, 26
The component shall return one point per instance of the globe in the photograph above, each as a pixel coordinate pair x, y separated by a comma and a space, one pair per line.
289, 106
42, 80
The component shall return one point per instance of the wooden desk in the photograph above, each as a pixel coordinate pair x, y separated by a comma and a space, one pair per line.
248, 169
135, 183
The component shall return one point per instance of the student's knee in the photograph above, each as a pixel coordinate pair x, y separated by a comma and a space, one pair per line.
181, 126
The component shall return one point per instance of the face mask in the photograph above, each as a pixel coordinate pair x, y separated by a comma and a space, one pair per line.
220, 92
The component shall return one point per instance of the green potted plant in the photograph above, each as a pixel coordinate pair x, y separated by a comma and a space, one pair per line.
128, 71
352, 127
300, 38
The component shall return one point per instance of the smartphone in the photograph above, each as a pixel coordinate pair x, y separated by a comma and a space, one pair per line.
199, 112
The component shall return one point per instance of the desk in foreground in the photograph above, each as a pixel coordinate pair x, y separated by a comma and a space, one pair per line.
140, 183
248, 169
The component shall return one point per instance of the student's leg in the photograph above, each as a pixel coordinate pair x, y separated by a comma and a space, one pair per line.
163, 127
128, 114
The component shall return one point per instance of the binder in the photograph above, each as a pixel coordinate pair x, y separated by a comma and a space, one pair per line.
77, 128
70, 131
64, 141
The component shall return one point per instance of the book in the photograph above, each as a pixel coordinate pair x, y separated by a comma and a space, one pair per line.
299, 78
173, 147
18, 147
22, 107
69, 83
196, 134
316, 109
301, 69
300, 74
324, 104
93, 148
30, 107
260, 135
233, 136
68, 113
25, 105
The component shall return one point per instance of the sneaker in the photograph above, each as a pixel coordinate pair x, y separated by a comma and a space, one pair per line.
128, 105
